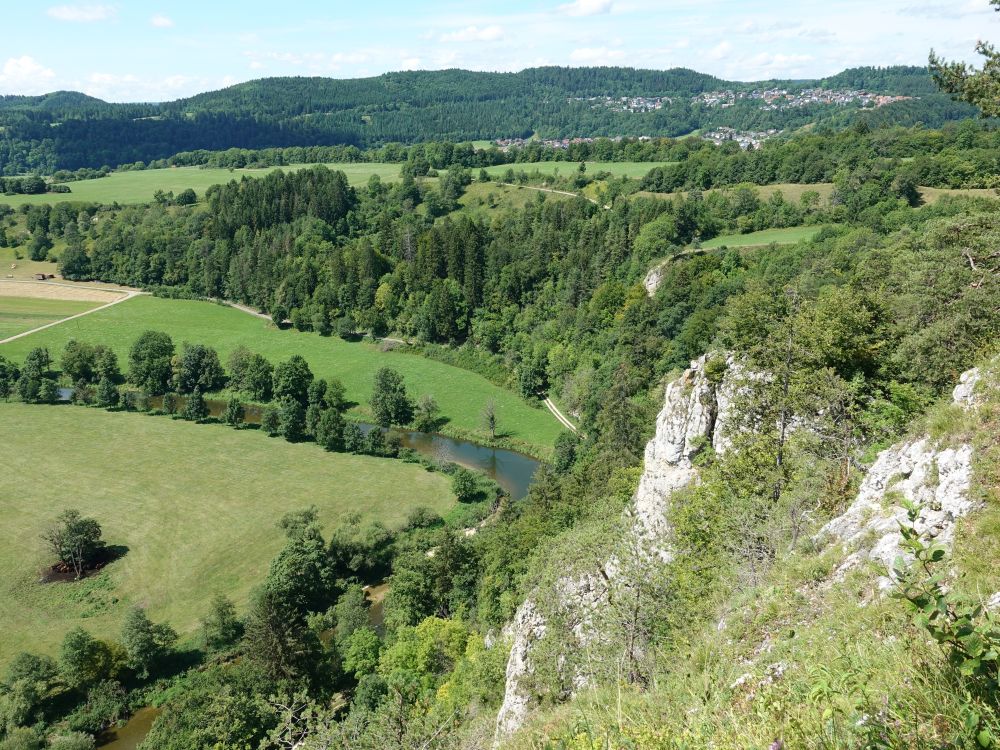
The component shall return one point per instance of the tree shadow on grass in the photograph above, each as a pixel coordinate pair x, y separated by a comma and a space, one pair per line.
62, 573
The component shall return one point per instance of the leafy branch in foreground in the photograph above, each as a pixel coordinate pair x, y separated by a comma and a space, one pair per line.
978, 87
966, 631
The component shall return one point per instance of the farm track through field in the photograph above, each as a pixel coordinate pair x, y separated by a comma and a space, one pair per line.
127, 294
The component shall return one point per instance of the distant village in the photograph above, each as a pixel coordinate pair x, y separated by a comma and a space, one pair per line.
506, 144
633, 104
774, 99
747, 139
770, 99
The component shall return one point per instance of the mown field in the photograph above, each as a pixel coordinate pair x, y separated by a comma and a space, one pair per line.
196, 506
19, 314
461, 394
787, 236
139, 186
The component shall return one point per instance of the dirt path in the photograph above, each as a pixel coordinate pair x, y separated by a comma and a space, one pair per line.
127, 295
247, 310
559, 415
556, 192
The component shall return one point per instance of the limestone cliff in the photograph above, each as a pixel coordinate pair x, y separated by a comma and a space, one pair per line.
696, 413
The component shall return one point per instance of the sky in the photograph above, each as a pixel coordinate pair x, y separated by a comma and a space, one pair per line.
156, 51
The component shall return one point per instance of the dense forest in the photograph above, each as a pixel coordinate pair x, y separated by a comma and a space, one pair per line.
66, 130
871, 320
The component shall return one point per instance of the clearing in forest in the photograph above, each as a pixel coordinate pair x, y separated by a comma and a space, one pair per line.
786, 236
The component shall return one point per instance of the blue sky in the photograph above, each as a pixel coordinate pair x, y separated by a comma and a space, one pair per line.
151, 51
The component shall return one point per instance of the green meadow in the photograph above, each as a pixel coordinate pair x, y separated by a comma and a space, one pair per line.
787, 236
632, 169
19, 314
139, 186
462, 395
196, 506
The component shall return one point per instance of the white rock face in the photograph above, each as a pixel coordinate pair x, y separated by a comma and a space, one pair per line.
526, 628
695, 413
933, 477
653, 278
965, 392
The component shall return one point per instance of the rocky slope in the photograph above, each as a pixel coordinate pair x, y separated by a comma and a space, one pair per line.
696, 413
928, 473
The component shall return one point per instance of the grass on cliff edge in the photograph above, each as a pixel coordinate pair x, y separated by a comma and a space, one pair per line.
462, 395
196, 505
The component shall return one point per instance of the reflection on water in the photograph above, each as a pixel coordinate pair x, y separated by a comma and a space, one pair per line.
376, 612
130, 736
512, 470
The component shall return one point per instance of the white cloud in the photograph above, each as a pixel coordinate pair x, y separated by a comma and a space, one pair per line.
81, 13
410, 63
25, 75
587, 7
130, 87
596, 56
475, 34
161, 21
720, 50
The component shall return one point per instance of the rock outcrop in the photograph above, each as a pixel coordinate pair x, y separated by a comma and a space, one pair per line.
933, 476
696, 413
653, 278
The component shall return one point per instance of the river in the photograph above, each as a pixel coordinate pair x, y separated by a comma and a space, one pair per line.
512, 470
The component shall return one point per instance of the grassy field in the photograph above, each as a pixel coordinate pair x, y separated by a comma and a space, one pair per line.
788, 236
196, 505
490, 199
461, 394
18, 314
793, 192
139, 187
790, 191
632, 169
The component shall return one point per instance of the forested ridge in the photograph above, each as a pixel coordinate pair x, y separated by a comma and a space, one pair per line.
873, 318
830, 360
67, 130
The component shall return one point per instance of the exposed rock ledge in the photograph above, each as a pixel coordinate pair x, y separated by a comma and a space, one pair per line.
696, 413
936, 478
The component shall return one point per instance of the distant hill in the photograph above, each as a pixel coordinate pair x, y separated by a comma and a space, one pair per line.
69, 130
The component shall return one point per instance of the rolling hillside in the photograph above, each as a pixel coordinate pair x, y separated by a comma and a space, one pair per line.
68, 130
